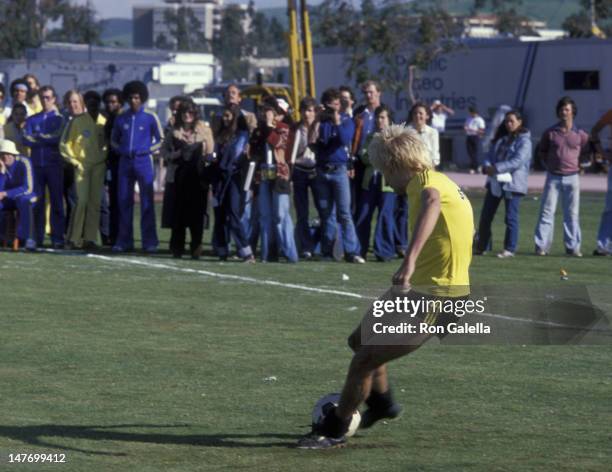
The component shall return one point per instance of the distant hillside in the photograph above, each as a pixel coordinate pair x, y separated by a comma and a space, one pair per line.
117, 32
554, 12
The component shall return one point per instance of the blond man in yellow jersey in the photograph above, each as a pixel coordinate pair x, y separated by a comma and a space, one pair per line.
83, 145
435, 268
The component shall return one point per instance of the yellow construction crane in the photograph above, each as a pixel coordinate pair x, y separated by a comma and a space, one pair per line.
301, 65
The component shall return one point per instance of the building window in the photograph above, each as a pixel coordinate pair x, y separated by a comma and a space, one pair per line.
581, 80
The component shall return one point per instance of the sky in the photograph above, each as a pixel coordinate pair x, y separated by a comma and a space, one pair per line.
123, 8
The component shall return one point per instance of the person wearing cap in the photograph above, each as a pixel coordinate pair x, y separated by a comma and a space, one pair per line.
137, 134
84, 147
268, 147
17, 191
42, 134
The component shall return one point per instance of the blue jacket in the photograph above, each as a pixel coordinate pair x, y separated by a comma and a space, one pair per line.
136, 134
42, 133
334, 141
229, 154
516, 160
18, 181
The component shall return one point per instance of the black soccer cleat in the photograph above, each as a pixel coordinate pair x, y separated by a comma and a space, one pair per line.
371, 415
315, 441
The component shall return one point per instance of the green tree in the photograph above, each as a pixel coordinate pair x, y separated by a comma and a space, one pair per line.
578, 25
377, 34
231, 45
185, 31
509, 20
79, 25
267, 37
24, 24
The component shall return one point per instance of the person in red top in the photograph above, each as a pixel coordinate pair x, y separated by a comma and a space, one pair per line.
604, 234
560, 150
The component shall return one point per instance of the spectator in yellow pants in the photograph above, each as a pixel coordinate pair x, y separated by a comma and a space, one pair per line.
83, 145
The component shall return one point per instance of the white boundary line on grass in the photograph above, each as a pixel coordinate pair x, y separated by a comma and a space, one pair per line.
219, 275
306, 288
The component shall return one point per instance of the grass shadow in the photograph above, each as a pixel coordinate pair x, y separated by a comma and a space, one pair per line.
42, 435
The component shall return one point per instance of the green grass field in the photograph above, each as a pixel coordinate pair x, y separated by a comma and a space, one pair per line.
128, 367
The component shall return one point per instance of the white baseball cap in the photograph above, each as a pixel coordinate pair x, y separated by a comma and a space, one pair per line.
8, 147
283, 105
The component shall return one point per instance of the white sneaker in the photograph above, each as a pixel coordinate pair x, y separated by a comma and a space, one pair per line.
356, 259
505, 253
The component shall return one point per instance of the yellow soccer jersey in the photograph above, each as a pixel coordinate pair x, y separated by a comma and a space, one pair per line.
443, 264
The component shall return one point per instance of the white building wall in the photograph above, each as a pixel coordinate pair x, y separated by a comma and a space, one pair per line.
492, 73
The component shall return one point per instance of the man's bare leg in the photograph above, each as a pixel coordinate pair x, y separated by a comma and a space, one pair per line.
369, 363
380, 383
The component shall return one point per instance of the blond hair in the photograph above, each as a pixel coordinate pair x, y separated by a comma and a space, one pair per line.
398, 149
68, 95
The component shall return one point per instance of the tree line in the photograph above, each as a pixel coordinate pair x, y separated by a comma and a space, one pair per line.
370, 29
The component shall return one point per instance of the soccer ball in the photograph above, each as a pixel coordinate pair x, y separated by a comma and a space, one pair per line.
323, 407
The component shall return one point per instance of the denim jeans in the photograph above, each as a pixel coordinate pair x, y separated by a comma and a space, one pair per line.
229, 220
489, 207
369, 201
569, 188
604, 235
275, 223
281, 210
333, 188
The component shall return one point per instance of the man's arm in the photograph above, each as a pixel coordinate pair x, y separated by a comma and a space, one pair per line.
543, 147
425, 224
54, 136
157, 133
29, 139
27, 182
116, 135
66, 144
346, 130
2, 175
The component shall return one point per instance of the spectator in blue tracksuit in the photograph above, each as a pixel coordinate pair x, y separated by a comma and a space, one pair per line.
332, 182
136, 135
42, 133
375, 194
231, 140
508, 169
17, 191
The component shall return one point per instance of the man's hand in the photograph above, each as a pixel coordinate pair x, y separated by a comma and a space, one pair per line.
401, 279
2, 196
424, 226
336, 117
